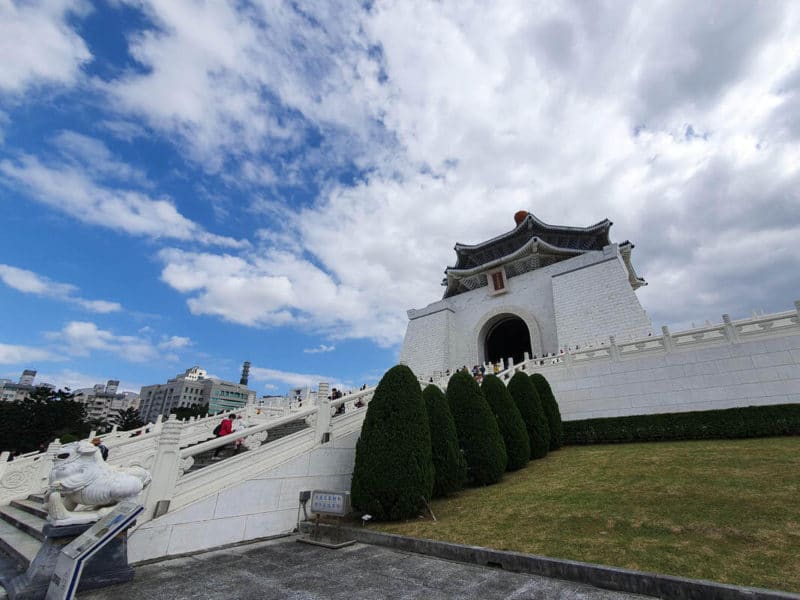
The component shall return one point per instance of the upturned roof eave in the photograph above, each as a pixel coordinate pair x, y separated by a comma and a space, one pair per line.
530, 247
599, 226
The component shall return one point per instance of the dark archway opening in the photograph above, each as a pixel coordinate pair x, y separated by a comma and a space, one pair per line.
510, 337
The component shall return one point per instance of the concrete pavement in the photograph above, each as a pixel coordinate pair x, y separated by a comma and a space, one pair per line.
286, 569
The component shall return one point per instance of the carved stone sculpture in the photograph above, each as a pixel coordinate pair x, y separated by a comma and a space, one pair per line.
83, 487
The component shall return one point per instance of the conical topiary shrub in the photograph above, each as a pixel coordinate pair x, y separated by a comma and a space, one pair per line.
551, 410
450, 468
527, 400
512, 427
478, 435
393, 470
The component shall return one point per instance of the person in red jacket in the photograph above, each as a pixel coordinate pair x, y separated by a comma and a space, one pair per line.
224, 429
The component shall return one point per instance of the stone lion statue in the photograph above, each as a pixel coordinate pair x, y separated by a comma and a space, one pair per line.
81, 478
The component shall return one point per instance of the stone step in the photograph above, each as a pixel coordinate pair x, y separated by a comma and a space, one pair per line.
37, 498
18, 545
24, 521
31, 506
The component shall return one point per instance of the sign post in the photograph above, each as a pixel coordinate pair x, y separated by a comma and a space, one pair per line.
332, 504
76, 554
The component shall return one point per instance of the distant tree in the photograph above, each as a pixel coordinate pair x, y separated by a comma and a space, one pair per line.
509, 420
129, 419
393, 472
450, 468
187, 412
527, 400
551, 410
478, 435
41, 418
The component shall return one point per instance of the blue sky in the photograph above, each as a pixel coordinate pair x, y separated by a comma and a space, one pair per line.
206, 183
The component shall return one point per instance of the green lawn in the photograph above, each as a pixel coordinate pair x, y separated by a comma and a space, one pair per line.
728, 511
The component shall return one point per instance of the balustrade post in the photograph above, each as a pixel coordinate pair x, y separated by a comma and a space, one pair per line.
797, 309
510, 363
158, 423
668, 345
165, 467
323, 424
47, 460
613, 350
730, 330
3, 463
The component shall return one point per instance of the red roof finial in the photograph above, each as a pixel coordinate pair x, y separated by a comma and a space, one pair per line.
520, 216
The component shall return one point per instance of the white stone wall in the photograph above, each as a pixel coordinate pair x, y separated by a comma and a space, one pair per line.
593, 303
426, 346
711, 376
261, 506
434, 342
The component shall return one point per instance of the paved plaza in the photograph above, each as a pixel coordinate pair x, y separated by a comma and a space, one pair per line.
286, 569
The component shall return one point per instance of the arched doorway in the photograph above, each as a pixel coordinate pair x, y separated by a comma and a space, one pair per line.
509, 337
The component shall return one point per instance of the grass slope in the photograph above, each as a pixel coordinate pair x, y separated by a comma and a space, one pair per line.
724, 510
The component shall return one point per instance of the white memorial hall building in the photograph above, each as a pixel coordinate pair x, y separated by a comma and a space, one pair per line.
538, 289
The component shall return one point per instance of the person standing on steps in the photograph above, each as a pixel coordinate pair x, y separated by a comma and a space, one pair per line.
240, 425
224, 428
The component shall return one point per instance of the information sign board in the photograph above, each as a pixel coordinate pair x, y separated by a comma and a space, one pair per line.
74, 555
325, 502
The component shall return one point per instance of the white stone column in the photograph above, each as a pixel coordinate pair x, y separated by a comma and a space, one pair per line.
323, 425
165, 467
730, 329
613, 350
47, 461
667, 336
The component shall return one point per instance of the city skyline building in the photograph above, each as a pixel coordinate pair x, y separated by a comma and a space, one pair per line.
193, 388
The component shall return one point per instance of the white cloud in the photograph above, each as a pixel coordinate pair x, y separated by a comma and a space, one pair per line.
72, 189
678, 122
12, 355
75, 380
175, 342
82, 338
220, 77
38, 45
322, 348
29, 282
287, 378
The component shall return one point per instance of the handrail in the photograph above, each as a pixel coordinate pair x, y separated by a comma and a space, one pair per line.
244, 433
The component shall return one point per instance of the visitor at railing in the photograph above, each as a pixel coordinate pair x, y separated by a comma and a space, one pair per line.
223, 429
103, 448
240, 425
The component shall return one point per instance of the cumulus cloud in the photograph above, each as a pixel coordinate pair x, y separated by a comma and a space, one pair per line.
296, 380
11, 354
73, 189
38, 45
677, 122
29, 282
175, 342
322, 348
244, 80
82, 338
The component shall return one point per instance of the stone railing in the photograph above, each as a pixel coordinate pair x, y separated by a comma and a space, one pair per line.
727, 332
27, 473
174, 485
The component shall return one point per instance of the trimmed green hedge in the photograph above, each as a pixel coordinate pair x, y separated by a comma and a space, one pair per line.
512, 427
745, 422
551, 411
525, 396
478, 434
450, 468
393, 472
